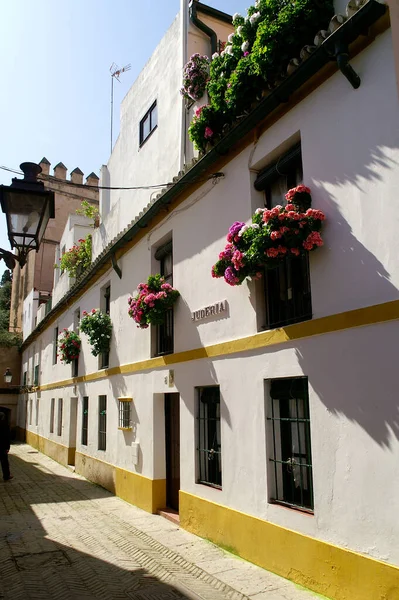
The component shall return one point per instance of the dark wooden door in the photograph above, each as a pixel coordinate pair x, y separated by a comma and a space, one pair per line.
172, 441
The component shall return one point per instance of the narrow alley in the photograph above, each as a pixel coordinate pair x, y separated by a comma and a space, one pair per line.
62, 537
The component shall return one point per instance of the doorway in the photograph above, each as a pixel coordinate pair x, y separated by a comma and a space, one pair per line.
172, 449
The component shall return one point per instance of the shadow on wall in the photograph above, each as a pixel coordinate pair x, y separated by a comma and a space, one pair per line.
61, 567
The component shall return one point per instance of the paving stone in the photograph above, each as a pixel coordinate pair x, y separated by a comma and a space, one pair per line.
62, 537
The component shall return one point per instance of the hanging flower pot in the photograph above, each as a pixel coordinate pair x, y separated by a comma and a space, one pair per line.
152, 302
98, 328
68, 346
274, 234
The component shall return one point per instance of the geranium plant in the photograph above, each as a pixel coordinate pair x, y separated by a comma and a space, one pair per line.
152, 301
195, 77
274, 234
98, 328
77, 259
257, 53
68, 346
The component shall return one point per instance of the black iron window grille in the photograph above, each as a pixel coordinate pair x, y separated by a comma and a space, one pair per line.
287, 292
59, 422
291, 459
85, 419
25, 378
125, 414
52, 411
148, 123
102, 422
36, 375
55, 346
209, 441
165, 332
103, 358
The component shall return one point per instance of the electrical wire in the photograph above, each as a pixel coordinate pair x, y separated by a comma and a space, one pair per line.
137, 187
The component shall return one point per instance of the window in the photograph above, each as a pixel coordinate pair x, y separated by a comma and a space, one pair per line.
290, 460
59, 422
105, 304
25, 378
209, 441
37, 412
36, 375
125, 413
52, 411
102, 422
164, 333
287, 286
30, 411
55, 345
85, 419
148, 123
76, 323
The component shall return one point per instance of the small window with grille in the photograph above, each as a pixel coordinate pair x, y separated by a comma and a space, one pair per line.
59, 421
125, 411
52, 412
85, 419
102, 423
165, 336
290, 459
105, 306
209, 441
287, 285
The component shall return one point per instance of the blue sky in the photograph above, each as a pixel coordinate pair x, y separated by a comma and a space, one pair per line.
55, 60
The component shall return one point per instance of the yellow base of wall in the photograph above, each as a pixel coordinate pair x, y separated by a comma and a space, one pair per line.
329, 570
62, 454
148, 494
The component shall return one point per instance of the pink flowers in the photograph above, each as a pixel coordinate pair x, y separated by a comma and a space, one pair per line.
152, 301
274, 234
313, 240
208, 133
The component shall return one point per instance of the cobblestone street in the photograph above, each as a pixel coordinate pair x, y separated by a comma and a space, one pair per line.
62, 537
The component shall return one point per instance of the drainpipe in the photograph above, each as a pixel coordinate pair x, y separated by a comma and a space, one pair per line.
183, 48
207, 30
342, 58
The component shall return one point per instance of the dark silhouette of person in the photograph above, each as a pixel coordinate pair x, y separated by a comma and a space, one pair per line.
4, 446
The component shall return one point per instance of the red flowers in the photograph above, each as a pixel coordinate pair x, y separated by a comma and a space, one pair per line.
69, 346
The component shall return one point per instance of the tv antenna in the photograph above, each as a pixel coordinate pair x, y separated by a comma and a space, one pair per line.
115, 74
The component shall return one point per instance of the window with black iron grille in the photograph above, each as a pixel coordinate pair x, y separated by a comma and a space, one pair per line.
36, 375
209, 441
148, 123
125, 414
102, 422
105, 303
55, 345
85, 419
59, 422
52, 411
165, 331
287, 286
76, 327
291, 460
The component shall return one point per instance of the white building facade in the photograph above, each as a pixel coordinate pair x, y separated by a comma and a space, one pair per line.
272, 428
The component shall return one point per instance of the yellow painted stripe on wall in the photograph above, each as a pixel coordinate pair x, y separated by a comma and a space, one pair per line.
370, 315
335, 572
148, 494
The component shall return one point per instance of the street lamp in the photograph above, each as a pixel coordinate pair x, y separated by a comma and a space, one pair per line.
8, 376
28, 207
